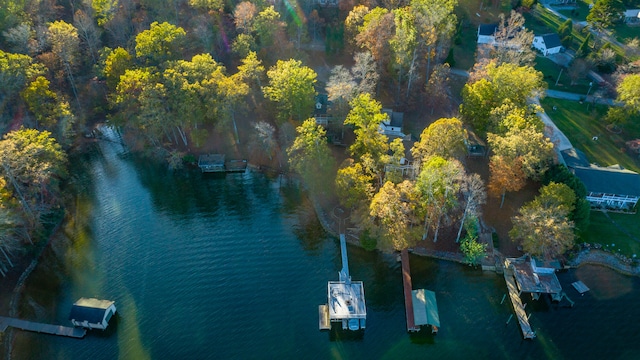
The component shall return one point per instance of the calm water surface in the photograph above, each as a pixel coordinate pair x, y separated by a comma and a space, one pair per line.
235, 267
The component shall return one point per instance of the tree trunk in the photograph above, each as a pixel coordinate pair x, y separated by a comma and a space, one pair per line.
235, 127
426, 227
6, 256
464, 216
502, 201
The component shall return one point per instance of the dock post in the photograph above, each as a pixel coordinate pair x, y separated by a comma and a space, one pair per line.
509, 319
503, 297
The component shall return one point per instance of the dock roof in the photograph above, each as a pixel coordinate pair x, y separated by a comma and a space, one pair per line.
532, 279
89, 309
346, 300
425, 307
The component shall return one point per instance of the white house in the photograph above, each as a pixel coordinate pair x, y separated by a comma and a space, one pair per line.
392, 127
632, 16
487, 33
610, 187
547, 44
92, 313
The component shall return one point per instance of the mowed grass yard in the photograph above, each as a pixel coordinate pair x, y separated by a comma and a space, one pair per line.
616, 232
581, 125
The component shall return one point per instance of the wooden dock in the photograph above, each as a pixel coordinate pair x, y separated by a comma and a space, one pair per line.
323, 315
518, 308
408, 298
60, 330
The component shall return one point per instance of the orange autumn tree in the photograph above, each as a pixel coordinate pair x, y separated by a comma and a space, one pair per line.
506, 175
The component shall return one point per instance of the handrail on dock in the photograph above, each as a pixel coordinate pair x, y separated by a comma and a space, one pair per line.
518, 308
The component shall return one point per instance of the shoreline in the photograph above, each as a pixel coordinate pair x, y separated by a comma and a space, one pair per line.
584, 257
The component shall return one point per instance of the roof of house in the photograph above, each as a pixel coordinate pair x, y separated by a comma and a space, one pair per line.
574, 157
89, 309
395, 118
551, 40
609, 180
487, 29
632, 13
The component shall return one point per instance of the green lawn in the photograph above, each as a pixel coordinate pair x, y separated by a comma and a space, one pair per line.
624, 33
551, 70
581, 125
613, 232
579, 13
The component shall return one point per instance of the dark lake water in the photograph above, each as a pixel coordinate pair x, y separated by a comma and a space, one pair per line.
235, 267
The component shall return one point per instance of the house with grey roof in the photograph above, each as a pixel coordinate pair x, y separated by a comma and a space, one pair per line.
612, 187
392, 126
547, 44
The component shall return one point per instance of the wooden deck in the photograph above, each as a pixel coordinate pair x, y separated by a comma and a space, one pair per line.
408, 299
323, 316
518, 308
41, 328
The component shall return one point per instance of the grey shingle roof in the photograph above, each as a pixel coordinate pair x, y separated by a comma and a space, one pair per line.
609, 180
551, 40
487, 29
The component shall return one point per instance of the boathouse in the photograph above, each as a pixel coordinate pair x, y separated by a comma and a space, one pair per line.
92, 313
534, 279
346, 299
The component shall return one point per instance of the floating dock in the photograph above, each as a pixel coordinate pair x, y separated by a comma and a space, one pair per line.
59, 330
215, 163
580, 287
518, 308
346, 299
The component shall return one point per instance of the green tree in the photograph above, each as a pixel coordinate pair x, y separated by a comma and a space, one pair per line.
365, 116
41, 101
117, 61
207, 5
393, 213
291, 87
445, 138
437, 187
472, 250
65, 43
403, 45
161, 42
311, 157
267, 26
104, 10
501, 83
605, 13
354, 185
251, 70
584, 48
629, 92
16, 70
533, 150
33, 163
542, 225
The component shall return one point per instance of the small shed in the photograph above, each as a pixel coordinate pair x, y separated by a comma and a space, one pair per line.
547, 44
487, 33
92, 313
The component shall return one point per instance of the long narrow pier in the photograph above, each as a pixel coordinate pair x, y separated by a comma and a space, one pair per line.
60, 330
518, 308
408, 299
